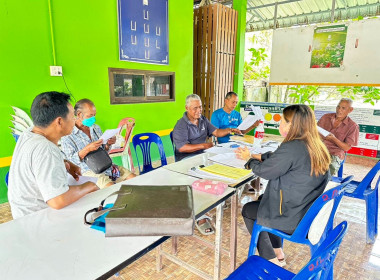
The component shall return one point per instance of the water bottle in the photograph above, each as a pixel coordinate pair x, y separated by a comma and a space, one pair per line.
259, 135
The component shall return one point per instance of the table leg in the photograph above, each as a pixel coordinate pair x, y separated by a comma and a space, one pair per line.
218, 241
159, 258
233, 231
174, 245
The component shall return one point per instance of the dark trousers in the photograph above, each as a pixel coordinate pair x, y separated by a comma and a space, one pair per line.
267, 241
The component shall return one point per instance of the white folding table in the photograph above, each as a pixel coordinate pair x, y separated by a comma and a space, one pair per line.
183, 167
55, 244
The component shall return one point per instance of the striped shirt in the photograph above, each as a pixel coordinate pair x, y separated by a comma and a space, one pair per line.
76, 141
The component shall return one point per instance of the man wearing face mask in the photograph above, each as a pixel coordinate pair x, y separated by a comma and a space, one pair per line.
85, 139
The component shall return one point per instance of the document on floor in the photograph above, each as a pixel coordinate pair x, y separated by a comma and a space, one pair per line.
109, 133
228, 159
82, 179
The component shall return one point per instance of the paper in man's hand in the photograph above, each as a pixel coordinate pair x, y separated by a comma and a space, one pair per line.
251, 119
82, 179
322, 131
247, 122
109, 133
257, 111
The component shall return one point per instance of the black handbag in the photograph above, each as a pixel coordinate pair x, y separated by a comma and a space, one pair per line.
98, 161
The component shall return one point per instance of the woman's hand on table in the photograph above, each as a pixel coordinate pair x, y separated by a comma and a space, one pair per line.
243, 153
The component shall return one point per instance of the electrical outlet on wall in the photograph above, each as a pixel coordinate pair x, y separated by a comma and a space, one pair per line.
55, 70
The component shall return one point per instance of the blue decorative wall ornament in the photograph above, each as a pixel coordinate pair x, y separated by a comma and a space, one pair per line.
143, 31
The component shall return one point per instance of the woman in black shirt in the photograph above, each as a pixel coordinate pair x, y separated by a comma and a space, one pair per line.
297, 172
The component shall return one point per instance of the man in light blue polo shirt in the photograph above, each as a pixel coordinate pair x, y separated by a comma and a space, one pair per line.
228, 117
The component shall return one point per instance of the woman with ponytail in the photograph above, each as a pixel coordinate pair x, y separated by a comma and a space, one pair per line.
297, 172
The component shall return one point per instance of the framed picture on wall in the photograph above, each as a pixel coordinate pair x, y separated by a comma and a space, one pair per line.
143, 31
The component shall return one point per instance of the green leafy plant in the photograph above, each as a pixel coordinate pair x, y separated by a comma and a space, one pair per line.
257, 68
304, 94
369, 94
258, 56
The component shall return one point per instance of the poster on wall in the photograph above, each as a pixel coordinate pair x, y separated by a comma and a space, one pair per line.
329, 43
272, 113
143, 31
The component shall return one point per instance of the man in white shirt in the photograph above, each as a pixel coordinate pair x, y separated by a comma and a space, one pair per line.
38, 172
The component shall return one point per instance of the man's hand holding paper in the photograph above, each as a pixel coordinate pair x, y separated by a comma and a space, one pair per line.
322, 131
109, 133
252, 121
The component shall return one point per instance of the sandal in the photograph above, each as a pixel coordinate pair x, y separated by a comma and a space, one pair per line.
251, 190
282, 262
206, 228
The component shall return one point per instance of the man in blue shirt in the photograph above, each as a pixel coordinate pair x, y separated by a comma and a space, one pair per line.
227, 117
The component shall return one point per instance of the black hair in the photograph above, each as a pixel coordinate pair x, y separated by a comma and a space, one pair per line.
48, 106
80, 103
230, 94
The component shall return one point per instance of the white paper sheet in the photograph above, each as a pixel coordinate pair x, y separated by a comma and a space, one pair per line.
82, 179
228, 159
257, 111
251, 119
322, 131
269, 146
262, 150
218, 150
247, 122
223, 148
109, 133
206, 175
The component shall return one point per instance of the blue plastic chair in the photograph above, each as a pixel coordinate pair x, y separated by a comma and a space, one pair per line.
300, 235
340, 171
362, 190
171, 139
319, 267
144, 141
15, 136
6, 178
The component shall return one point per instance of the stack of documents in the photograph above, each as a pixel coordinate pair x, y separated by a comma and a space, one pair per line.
227, 171
269, 146
223, 148
230, 175
246, 139
228, 159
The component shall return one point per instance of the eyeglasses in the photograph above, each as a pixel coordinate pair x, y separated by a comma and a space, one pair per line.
196, 108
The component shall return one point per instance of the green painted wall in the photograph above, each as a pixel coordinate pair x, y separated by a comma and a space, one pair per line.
241, 7
86, 40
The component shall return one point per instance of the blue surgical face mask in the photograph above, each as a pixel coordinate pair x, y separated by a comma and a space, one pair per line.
89, 122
